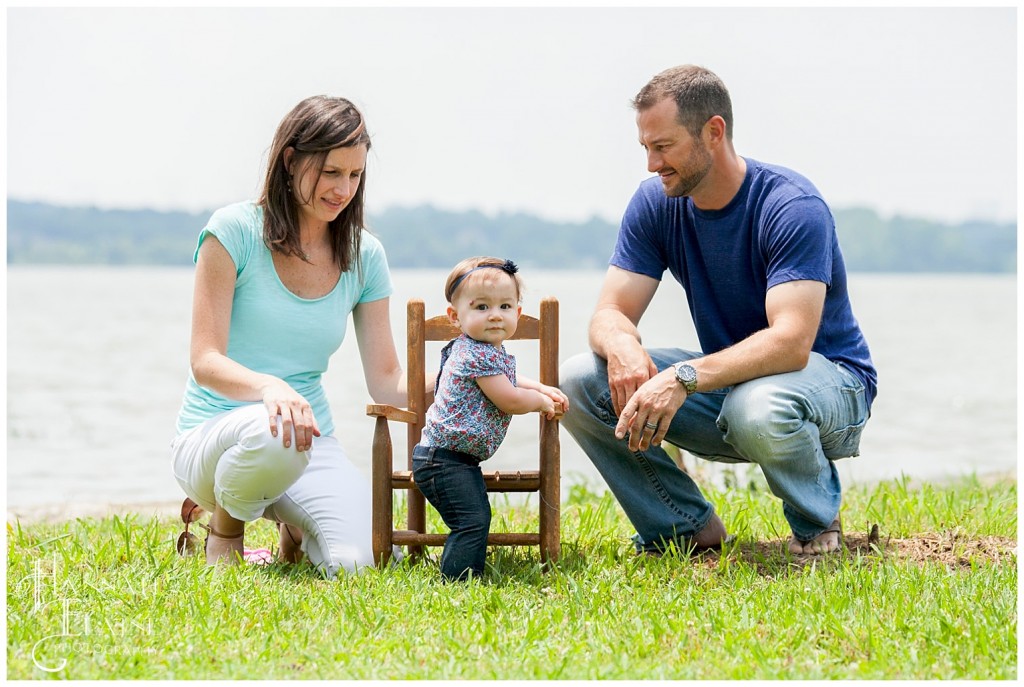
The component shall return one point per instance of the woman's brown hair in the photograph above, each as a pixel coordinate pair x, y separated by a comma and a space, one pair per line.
313, 128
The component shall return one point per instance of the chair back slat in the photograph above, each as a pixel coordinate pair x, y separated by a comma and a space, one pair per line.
440, 328
529, 328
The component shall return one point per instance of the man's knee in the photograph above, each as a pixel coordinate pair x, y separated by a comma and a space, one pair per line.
580, 372
583, 378
755, 415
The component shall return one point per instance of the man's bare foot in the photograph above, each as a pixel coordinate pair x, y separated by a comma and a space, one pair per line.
711, 537
828, 541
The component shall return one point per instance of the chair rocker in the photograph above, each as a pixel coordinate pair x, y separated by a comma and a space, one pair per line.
545, 480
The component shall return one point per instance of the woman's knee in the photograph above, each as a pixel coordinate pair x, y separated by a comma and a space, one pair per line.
346, 558
256, 472
331, 504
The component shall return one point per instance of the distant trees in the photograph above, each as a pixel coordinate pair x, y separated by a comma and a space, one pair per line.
428, 237
907, 244
42, 233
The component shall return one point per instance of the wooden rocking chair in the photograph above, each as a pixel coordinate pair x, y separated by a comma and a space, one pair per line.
545, 480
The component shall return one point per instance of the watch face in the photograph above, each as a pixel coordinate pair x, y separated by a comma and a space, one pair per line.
687, 376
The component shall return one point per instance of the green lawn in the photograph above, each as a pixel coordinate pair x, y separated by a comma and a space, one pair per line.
934, 597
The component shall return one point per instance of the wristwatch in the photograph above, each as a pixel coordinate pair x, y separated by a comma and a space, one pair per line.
687, 376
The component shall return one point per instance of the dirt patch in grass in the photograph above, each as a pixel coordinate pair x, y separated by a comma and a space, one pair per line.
953, 549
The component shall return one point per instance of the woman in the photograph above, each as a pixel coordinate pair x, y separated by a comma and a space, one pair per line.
275, 283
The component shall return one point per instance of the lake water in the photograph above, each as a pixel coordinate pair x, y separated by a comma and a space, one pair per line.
97, 358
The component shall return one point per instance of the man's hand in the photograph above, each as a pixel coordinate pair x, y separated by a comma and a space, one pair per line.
649, 412
614, 335
629, 367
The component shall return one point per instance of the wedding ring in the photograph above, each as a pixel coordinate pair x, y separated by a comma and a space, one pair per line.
651, 426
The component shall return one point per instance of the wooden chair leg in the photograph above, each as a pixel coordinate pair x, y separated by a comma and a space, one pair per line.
383, 497
417, 520
550, 448
550, 492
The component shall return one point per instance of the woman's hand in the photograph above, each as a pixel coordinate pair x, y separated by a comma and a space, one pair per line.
295, 412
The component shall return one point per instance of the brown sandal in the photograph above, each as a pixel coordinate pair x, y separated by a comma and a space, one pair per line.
188, 543
230, 551
289, 548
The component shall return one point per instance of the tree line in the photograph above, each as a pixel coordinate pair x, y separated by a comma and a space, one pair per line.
428, 237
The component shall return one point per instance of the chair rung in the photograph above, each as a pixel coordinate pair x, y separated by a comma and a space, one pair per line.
497, 481
407, 537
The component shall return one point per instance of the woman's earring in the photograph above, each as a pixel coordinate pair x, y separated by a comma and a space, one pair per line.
289, 183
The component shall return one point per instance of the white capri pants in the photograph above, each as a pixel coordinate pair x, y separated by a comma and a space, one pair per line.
233, 461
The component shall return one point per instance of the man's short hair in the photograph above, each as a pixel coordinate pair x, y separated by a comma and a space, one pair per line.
698, 92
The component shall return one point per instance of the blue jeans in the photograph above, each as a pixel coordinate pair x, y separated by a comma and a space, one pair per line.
792, 425
454, 484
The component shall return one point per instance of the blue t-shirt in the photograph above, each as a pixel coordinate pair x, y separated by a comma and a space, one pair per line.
776, 229
462, 418
272, 330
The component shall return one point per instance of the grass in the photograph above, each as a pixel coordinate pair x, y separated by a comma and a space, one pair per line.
935, 596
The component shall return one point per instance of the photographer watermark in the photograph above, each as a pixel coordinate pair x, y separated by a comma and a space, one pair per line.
76, 629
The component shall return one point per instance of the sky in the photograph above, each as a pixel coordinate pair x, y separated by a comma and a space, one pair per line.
908, 111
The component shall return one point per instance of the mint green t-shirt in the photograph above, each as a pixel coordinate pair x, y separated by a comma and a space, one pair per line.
273, 331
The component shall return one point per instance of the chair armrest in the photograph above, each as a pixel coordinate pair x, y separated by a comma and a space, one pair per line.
391, 413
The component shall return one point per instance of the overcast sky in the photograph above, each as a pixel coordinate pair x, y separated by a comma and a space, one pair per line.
909, 111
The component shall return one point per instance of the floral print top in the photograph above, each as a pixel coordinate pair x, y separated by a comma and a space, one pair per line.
462, 418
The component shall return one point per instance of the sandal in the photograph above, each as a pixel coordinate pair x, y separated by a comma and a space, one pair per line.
188, 543
289, 548
225, 549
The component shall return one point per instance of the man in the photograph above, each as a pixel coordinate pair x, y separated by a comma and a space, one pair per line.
784, 378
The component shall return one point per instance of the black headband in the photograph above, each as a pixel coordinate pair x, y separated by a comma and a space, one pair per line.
508, 267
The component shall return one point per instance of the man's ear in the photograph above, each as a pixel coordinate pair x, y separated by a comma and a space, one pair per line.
714, 130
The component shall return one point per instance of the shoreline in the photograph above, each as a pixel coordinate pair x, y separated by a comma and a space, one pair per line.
64, 512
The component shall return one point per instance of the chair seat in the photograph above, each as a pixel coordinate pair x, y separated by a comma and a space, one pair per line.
496, 481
